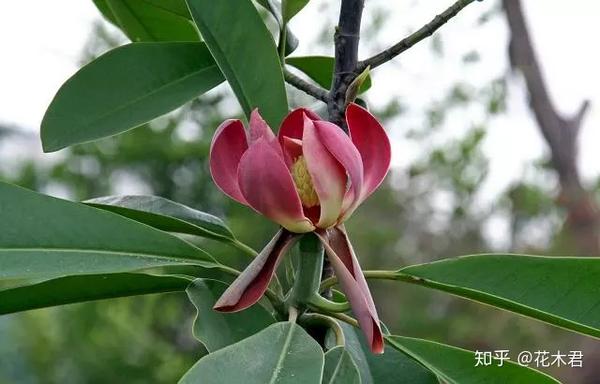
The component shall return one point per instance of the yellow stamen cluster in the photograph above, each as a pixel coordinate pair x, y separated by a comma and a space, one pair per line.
304, 184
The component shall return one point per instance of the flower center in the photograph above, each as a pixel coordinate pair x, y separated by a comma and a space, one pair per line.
304, 184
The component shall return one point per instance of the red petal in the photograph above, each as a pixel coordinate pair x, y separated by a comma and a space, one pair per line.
268, 187
252, 283
372, 143
293, 124
228, 145
259, 128
328, 176
342, 148
350, 276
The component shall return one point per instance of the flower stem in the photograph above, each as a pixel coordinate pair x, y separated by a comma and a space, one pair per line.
317, 318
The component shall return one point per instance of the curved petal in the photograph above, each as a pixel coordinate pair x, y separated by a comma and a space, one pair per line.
372, 142
345, 265
292, 149
228, 145
293, 124
259, 128
252, 283
342, 148
268, 187
328, 176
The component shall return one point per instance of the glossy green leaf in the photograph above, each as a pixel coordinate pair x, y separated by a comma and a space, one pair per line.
283, 353
292, 7
246, 53
217, 329
340, 368
457, 366
42, 237
77, 289
563, 291
391, 367
166, 215
125, 88
320, 70
150, 20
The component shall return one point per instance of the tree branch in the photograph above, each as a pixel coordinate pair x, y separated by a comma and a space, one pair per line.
347, 35
424, 32
306, 87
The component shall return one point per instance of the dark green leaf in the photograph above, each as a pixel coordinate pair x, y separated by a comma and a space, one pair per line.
44, 237
150, 20
76, 289
283, 353
216, 329
292, 7
125, 88
320, 70
166, 215
245, 51
457, 366
340, 368
563, 291
390, 368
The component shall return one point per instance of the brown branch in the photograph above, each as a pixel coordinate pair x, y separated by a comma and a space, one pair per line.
306, 87
424, 32
347, 35
561, 133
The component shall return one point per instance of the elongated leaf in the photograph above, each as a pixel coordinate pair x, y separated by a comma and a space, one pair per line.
391, 367
563, 291
150, 20
283, 353
340, 368
245, 51
165, 214
320, 70
45, 237
125, 88
274, 8
77, 289
457, 366
292, 7
216, 329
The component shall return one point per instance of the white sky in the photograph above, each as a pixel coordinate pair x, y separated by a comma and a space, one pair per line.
42, 40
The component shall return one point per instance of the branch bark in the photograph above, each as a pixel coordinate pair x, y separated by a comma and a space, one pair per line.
424, 32
561, 133
306, 87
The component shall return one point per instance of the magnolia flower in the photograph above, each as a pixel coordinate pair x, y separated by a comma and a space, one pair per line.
309, 178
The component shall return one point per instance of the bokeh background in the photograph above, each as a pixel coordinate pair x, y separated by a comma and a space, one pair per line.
472, 173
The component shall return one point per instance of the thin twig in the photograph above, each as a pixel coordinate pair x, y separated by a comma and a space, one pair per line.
406, 43
306, 87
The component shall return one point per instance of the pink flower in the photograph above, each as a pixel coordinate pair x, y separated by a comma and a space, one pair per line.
310, 178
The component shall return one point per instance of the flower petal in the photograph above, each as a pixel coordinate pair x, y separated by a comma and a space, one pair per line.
343, 260
342, 148
259, 128
328, 176
228, 145
268, 187
372, 143
293, 124
252, 283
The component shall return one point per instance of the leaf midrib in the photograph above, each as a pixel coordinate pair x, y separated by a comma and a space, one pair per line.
284, 349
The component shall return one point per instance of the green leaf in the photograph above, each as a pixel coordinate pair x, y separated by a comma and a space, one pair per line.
216, 329
292, 7
166, 215
320, 70
340, 368
457, 366
77, 289
274, 8
563, 291
125, 88
392, 367
245, 51
283, 353
44, 237
150, 20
